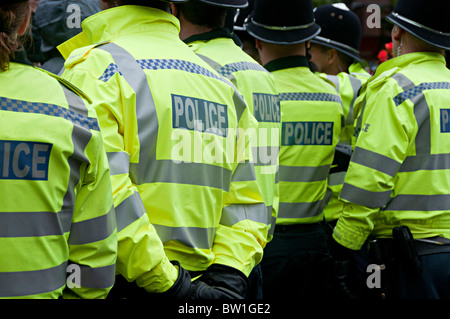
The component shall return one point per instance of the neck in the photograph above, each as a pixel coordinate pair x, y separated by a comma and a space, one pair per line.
188, 29
269, 52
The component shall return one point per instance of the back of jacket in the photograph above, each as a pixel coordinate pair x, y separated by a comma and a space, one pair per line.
170, 126
56, 212
398, 174
257, 86
311, 125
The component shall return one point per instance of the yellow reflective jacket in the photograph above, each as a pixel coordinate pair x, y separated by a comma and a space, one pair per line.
312, 120
58, 228
257, 85
398, 174
169, 124
347, 85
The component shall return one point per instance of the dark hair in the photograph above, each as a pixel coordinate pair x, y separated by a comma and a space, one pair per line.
11, 17
203, 14
157, 4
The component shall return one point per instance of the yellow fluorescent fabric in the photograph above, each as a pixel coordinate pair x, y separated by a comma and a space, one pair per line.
398, 173
312, 118
57, 204
347, 85
171, 169
258, 88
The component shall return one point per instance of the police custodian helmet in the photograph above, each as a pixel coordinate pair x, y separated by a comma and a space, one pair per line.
425, 19
227, 3
282, 21
340, 29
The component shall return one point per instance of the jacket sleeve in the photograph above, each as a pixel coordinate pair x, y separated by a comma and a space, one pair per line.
243, 232
93, 237
380, 148
141, 256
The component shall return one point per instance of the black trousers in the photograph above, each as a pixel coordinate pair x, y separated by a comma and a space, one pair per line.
296, 264
431, 282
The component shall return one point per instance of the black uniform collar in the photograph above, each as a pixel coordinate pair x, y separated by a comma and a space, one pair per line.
287, 62
213, 34
21, 57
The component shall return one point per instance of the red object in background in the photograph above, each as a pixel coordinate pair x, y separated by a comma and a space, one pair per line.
385, 55
382, 56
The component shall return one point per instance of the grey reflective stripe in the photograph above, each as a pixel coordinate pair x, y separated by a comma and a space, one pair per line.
273, 221
336, 178
303, 173
119, 163
356, 85
419, 203
244, 172
147, 119
97, 278
360, 118
421, 108
194, 237
431, 162
35, 224
300, 210
235, 213
93, 230
25, 283
375, 161
335, 80
80, 139
168, 171
129, 211
265, 155
75, 102
364, 197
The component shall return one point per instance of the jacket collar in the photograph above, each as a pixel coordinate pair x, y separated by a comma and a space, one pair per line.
408, 60
287, 62
113, 23
207, 36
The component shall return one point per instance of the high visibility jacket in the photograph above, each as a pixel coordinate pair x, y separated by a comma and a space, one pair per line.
169, 123
311, 125
257, 85
398, 174
57, 220
347, 85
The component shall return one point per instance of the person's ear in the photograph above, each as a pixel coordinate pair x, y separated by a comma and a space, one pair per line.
24, 25
396, 33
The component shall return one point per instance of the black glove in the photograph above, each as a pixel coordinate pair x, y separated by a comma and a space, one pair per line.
343, 271
226, 277
184, 288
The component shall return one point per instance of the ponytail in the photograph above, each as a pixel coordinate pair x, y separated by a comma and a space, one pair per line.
11, 17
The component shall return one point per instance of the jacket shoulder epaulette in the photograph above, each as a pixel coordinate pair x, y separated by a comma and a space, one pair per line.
79, 55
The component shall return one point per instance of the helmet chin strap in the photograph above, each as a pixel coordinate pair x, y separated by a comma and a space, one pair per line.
307, 54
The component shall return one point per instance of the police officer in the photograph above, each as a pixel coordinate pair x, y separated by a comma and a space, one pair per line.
58, 233
335, 53
296, 262
169, 123
238, 23
216, 46
396, 189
